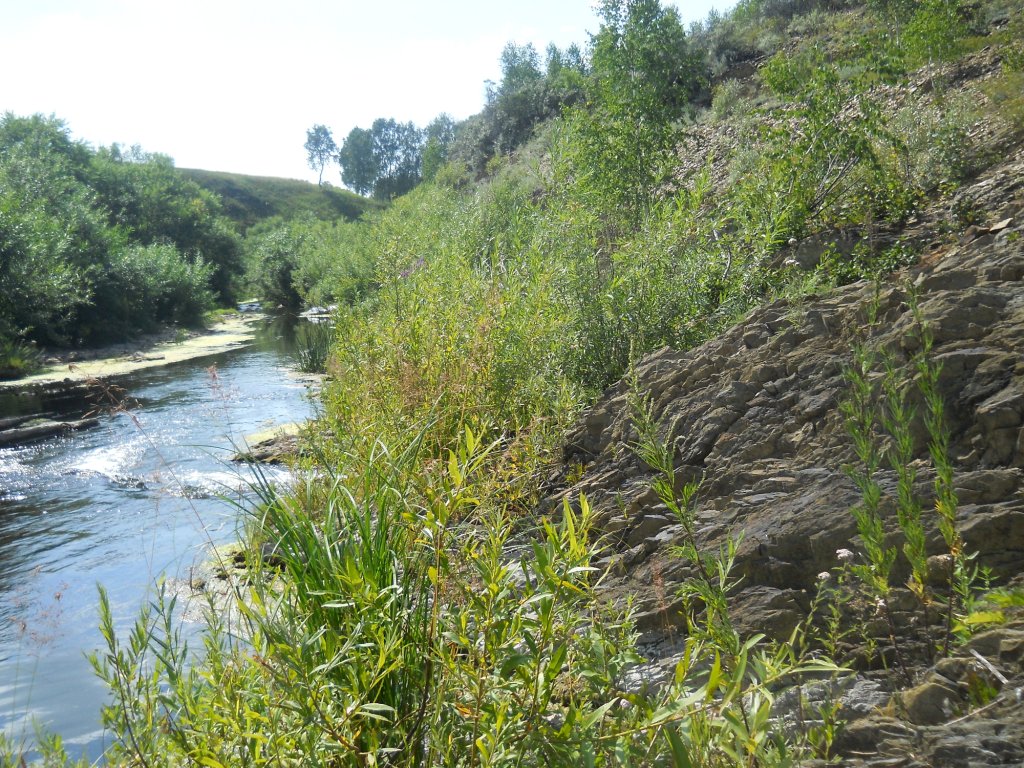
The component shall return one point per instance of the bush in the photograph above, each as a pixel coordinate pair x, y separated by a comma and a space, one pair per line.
18, 359
163, 286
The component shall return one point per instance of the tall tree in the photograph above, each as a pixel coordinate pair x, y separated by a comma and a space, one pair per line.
320, 148
398, 148
359, 164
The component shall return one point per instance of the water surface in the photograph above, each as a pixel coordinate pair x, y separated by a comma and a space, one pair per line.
140, 496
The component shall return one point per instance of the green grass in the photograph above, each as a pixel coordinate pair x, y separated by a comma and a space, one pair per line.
249, 199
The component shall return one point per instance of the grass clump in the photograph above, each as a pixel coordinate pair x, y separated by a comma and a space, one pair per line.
314, 342
18, 358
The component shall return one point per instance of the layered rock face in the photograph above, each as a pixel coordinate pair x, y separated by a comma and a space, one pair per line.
755, 415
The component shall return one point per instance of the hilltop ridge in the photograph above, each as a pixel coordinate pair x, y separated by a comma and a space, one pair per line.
248, 199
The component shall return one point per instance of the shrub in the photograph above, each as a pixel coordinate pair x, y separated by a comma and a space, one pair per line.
18, 358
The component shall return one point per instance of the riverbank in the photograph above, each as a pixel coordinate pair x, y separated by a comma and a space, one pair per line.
230, 332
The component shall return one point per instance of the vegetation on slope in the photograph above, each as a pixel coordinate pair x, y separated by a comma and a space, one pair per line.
420, 616
247, 200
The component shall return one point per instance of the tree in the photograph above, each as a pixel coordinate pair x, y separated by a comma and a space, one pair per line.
644, 77
398, 149
359, 165
320, 149
520, 66
642, 62
440, 135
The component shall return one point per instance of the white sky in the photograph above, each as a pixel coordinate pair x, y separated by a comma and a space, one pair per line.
232, 85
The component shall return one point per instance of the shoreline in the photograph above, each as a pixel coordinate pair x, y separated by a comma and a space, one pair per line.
232, 332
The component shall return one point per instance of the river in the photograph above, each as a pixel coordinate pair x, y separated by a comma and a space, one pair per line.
140, 496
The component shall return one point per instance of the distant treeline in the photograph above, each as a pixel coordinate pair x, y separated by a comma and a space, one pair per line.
98, 244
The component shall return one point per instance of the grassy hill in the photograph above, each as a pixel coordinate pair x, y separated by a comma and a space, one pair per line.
247, 199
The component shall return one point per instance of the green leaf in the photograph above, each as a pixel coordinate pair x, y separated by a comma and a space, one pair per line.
597, 715
984, 617
680, 754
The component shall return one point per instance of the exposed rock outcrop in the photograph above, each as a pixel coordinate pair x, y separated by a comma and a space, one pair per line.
754, 414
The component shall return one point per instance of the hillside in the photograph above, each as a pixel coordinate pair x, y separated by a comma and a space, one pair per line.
756, 418
248, 199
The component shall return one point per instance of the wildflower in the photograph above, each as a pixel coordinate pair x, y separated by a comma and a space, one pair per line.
844, 555
824, 576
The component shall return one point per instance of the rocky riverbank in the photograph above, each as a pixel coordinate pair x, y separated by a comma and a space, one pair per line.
755, 417
74, 366
71, 379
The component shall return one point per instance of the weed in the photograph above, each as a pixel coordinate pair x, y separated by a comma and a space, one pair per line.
314, 342
720, 707
878, 406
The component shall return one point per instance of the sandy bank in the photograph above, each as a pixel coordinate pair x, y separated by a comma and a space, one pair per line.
232, 332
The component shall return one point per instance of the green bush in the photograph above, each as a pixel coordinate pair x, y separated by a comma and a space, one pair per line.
162, 285
17, 359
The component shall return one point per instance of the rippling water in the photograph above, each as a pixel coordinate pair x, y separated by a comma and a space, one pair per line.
138, 497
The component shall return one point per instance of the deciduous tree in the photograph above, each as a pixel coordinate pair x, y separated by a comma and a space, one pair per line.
359, 165
320, 149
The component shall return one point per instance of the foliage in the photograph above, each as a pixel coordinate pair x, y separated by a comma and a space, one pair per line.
149, 199
398, 631
309, 261
158, 280
440, 135
18, 359
416, 614
314, 341
320, 149
272, 260
642, 65
359, 165
879, 406
618, 149
527, 96
386, 159
97, 245
50, 236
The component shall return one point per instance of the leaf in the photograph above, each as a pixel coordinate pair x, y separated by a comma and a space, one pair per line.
715, 675
984, 617
680, 754
453, 468
597, 715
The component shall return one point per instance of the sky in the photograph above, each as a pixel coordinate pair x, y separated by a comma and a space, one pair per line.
233, 85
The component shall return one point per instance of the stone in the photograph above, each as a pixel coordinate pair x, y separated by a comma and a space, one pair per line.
755, 416
930, 703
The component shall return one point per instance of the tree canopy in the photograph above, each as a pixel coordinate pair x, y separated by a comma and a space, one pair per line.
98, 244
385, 160
320, 149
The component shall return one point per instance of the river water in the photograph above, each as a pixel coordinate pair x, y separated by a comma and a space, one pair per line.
140, 496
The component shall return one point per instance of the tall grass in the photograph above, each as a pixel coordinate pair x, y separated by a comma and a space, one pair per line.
313, 342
